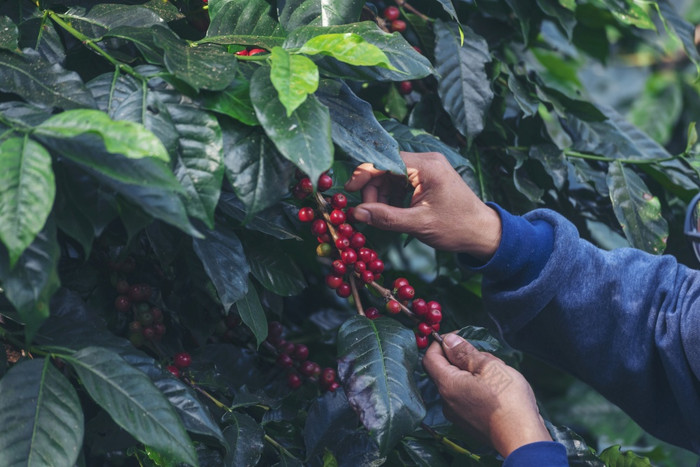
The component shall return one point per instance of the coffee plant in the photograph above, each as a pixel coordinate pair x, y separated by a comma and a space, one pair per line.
182, 281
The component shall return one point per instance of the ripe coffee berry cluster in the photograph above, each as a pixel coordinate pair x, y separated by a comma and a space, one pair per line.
147, 320
353, 260
181, 361
295, 358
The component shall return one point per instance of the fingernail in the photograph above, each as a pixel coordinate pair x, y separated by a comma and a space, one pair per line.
451, 340
361, 215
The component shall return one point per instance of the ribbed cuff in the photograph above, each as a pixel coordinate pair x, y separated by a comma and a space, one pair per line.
538, 454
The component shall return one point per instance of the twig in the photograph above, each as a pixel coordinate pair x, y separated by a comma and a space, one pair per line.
412, 9
356, 296
449, 443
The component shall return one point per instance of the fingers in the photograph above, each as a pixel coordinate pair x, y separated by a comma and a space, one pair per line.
465, 356
437, 365
386, 217
362, 175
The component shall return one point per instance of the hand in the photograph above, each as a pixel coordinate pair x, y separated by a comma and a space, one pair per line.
444, 212
483, 395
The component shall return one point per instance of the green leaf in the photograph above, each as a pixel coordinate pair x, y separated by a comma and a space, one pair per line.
41, 82
119, 137
674, 23
103, 17
376, 363
250, 22
415, 140
274, 268
524, 97
637, 210
614, 457
132, 401
245, 440
258, 172
577, 451
424, 453
630, 12
294, 14
355, 129
224, 261
27, 191
464, 87
205, 66
8, 34
348, 48
657, 110
305, 137
407, 63
30, 284
564, 16
272, 221
234, 101
293, 76
41, 420
449, 8
394, 104
252, 314
200, 163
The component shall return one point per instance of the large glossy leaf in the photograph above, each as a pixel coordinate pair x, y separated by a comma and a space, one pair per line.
340, 11
464, 86
244, 22
27, 191
408, 63
10, 34
119, 137
200, 164
662, 98
614, 457
224, 261
564, 17
348, 48
245, 440
41, 421
233, 101
376, 363
132, 401
296, 13
252, 314
41, 82
260, 175
32, 281
103, 17
629, 12
415, 140
637, 210
293, 76
271, 221
304, 137
273, 268
356, 130
684, 30
424, 452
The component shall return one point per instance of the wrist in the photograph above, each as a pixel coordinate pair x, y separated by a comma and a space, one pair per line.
525, 436
485, 234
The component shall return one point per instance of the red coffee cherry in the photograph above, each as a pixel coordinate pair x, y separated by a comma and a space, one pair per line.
376, 266
424, 329
284, 360
421, 341
400, 282
274, 329
393, 307
419, 307
345, 230
357, 240
405, 87
306, 185
175, 371
360, 266
287, 347
308, 367
339, 201
325, 238
257, 51
301, 352
182, 360
122, 304
241, 52
398, 25
333, 386
339, 268
293, 381
327, 376
337, 217
436, 327
391, 13
434, 316
433, 305
343, 290
149, 333
372, 313
406, 293
319, 227
325, 182
342, 243
333, 281
306, 214
367, 277
348, 256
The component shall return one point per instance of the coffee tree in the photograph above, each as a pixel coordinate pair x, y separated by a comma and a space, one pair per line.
182, 278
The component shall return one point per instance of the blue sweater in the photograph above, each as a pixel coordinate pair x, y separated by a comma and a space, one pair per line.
624, 321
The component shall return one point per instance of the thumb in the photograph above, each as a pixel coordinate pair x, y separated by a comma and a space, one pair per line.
463, 355
384, 216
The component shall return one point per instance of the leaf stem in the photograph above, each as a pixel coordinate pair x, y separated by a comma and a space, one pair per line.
216, 401
581, 155
449, 443
356, 295
279, 447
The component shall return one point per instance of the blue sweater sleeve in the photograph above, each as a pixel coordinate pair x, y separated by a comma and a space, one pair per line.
624, 321
539, 454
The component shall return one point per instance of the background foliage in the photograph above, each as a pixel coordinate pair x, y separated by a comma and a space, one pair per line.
137, 148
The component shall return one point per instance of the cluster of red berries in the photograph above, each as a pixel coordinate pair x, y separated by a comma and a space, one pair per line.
295, 358
181, 361
147, 323
352, 258
391, 16
254, 51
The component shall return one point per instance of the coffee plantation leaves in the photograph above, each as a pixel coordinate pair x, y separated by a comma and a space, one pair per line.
41, 421
244, 22
348, 48
41, 82
27, 191
376, 363
613, 457
272, 221
8, 38
103, 17
260, 175
637, 210
224, 261
296, 13
252, 314
356, 130
274, 268
464, 86
233, 101
673, 22
132, 401
423, 453
245, 441
293, 76
416, 140
304, 137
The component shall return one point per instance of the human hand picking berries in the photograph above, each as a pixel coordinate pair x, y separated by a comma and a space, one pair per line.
484, 396
444, 212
